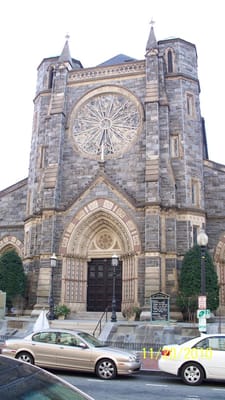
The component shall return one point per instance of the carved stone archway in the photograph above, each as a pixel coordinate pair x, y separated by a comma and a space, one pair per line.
10, 242
98, 230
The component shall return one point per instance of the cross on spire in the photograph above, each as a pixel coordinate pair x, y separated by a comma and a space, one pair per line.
152, 22
152, 43
65, 55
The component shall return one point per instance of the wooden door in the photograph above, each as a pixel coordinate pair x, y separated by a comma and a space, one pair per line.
100, 285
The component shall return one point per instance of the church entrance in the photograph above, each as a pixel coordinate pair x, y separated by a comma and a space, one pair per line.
100, 285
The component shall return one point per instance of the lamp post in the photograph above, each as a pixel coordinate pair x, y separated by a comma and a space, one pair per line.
53, 262
202, 240
115, 262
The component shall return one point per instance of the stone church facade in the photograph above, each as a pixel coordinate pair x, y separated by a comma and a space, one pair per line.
118, 165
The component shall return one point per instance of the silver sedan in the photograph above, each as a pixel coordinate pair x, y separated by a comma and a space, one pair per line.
72, 350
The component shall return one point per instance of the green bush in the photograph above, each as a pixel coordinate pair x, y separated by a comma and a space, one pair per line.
190, 283
62, 310
132, 311
12, 278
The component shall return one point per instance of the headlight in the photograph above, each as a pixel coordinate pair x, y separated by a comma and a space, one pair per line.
132, 358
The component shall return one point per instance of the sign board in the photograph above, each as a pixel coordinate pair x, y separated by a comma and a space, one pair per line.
159, 307
202, 302
203, 313
202, 324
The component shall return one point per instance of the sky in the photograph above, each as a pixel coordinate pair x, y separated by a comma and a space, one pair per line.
31, 30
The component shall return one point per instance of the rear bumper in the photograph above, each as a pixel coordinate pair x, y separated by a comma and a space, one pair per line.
169, 366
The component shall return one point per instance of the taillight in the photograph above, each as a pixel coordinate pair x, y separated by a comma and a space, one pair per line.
165, 352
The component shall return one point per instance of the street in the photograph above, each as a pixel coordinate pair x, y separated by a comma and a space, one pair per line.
147, 385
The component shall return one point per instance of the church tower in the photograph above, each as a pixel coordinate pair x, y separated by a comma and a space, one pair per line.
116, 167
44, 181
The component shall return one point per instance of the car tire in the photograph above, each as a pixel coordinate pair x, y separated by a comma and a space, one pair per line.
106, 369
26, 357
192, 373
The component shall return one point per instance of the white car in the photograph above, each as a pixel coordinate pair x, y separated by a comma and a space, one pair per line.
195, 360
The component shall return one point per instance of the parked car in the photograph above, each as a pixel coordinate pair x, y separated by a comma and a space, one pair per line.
22, 381
195, 360
72, 350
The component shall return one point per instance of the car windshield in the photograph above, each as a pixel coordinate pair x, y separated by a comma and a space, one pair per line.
22, 382
91, 340
184, 340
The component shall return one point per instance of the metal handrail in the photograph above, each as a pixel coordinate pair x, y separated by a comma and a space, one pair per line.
99, 323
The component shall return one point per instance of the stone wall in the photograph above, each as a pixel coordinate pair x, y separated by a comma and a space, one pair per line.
13, 210
214, 181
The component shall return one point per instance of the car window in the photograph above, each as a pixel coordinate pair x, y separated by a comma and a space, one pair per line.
37, 386
90, 339
67, 339
45, 337
217, 343
203, 344
213, 343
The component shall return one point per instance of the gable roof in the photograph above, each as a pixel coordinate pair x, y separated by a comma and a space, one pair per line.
119, 59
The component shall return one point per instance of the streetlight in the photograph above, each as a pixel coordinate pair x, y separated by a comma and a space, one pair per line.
202, 240
53, 262
115, 262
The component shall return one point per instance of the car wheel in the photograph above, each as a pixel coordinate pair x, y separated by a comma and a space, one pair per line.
106, 369
192, 373
25, 356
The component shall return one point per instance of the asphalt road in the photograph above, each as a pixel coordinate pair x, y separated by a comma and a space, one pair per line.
146, 385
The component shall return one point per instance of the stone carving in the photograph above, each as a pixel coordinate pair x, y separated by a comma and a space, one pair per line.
105, 125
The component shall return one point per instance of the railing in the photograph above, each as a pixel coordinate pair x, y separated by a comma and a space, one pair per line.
8, 335
3, 338
145, 347
99, 323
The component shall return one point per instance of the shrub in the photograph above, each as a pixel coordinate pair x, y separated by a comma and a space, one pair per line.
62, 310
132, 311
12, 278
190, 283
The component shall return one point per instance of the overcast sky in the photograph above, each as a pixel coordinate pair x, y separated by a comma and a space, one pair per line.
31, 30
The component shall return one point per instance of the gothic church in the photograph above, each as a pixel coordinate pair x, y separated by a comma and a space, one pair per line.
118, 166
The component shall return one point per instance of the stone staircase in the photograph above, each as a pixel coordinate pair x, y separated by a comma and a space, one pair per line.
83, 321
88, 321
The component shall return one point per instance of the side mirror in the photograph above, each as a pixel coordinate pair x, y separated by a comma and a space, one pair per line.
83, 345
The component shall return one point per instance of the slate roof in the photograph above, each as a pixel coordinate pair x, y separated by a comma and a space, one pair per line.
119, 59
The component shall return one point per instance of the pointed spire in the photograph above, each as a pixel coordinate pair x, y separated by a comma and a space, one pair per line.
65, 55
152, 42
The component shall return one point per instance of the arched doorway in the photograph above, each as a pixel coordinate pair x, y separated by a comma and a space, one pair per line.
100, 284
98, 231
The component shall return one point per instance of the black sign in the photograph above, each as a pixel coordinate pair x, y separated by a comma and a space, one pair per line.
159, 307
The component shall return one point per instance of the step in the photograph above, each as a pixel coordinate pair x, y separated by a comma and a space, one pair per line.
80, 325
94, 315
84, 321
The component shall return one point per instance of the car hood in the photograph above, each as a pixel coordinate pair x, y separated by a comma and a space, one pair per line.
116, 351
